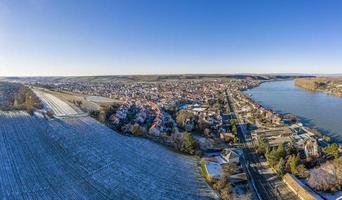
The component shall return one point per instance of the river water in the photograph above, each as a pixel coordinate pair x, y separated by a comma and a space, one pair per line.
315, 109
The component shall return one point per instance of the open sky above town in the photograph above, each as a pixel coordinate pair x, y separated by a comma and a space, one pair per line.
86, 37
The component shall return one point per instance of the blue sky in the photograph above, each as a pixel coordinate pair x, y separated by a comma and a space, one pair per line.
88, 37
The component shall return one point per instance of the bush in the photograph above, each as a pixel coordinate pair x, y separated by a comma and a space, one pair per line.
234, 129
226, 193
187, 143
182, 116
332, 150
136, 129
220, 184
327, 138
272, 157
302, 172
190, 144
262, 146
236, 139
292, 163
228, 170
280, 167
49, 113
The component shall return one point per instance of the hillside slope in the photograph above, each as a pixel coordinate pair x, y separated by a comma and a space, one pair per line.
79, 158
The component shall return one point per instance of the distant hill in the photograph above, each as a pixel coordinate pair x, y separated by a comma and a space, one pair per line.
110, 78
330, 85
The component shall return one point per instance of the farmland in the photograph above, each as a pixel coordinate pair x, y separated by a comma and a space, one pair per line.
79, 158
59, 107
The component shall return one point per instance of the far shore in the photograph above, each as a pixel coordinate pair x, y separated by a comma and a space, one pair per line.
300, 119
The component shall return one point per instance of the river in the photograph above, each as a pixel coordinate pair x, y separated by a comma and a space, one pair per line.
315, 109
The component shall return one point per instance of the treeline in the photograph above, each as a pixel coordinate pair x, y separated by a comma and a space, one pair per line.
18, 97
156, 77
26, 99
310, 84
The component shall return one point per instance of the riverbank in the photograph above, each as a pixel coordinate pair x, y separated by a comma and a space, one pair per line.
308, 167
314, 110
331, 86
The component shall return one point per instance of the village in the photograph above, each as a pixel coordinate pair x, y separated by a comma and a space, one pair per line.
291, 150
236, 139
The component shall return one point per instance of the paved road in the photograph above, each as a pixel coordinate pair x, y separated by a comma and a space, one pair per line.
263, 188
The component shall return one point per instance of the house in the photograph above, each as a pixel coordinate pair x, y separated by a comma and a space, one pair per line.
141, 116
114, 119
226, 136
230, 156
214, 164
121, 114
276, 119
238, 178
268, 114
154, 130
311, 147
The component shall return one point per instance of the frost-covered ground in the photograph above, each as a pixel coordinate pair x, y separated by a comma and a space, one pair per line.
99, 99
79, 158
59, 107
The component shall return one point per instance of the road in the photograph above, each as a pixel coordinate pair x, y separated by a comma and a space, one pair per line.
264, 188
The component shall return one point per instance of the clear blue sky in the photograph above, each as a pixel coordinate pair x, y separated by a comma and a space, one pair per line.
88, 37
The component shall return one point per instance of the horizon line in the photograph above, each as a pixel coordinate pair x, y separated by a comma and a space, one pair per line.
175, 74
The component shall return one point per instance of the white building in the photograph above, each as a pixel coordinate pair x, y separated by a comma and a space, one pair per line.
230, 156
311, 147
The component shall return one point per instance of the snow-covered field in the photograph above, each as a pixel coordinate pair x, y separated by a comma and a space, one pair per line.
79, 158
99, 99
59, 107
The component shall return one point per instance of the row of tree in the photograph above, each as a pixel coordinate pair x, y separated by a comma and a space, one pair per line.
234, 129
18, 97
26, 99
286, 160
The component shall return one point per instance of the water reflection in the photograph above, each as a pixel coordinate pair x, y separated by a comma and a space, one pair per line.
317, 110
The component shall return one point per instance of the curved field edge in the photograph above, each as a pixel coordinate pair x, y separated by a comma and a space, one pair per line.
79, 158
